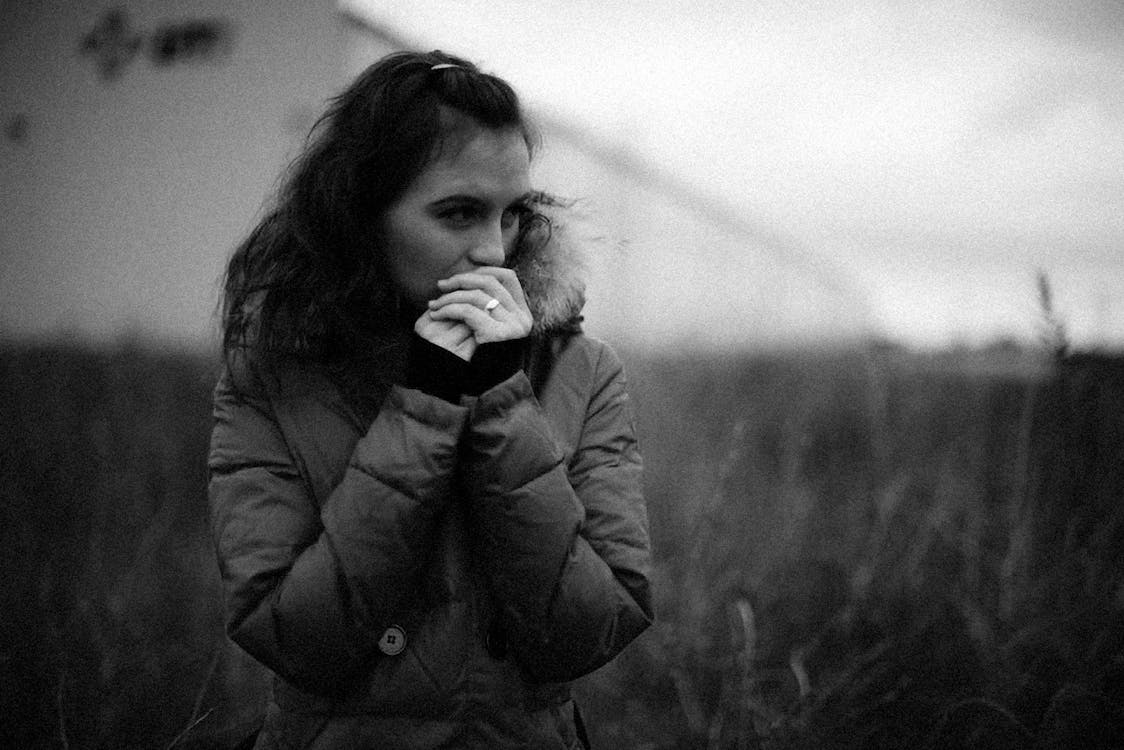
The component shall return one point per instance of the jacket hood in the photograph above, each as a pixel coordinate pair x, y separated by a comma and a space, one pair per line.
553, 265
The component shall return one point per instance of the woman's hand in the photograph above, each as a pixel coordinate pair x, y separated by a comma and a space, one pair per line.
488, 301
448, 334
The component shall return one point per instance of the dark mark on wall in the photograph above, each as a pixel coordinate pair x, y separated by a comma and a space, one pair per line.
113, 44
192, 41
15, 129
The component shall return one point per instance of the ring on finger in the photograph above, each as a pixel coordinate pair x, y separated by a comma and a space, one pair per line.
493, 303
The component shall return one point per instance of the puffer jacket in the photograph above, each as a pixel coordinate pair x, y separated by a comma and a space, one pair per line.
434, 576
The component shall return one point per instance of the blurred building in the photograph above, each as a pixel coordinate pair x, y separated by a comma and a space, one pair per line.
141, 140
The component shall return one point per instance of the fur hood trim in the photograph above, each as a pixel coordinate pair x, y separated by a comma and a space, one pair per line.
554, 266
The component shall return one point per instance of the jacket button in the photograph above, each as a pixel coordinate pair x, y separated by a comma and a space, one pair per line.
393, 641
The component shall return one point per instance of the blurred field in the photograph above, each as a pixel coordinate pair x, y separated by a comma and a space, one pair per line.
853, 549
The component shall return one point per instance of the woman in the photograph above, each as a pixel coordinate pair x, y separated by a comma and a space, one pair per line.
425, 484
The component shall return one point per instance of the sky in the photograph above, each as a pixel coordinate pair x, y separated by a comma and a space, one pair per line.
941, 155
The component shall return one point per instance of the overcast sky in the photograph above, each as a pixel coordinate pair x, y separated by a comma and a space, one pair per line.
939, 153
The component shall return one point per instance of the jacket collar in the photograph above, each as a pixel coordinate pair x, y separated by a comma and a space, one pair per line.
553, 269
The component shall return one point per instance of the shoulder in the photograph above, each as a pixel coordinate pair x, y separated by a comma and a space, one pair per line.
588, 353
578, 368
297, 397
293, 418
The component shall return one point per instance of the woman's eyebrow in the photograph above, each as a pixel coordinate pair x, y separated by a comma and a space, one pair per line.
462, 198
458, 198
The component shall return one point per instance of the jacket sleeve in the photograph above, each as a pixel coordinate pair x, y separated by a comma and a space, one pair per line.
308, 589
565, 544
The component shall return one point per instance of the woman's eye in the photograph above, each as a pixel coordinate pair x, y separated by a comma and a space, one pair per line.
459, 215
465, 216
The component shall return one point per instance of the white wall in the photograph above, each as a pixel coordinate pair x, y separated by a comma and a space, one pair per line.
686, 275
122, 198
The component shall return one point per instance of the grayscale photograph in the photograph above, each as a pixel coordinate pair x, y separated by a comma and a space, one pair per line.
538, 375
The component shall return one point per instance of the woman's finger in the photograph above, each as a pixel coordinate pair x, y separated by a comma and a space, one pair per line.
471, 315
508, 280
497, 324
450, 331
485, 280
453, 335
477, 297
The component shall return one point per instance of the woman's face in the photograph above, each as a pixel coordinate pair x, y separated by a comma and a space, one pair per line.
461, 212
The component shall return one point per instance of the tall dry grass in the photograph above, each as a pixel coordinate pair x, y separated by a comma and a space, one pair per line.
874, 549
853, 549
110, 618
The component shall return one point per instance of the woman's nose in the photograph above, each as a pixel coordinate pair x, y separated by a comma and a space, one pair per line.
489, 248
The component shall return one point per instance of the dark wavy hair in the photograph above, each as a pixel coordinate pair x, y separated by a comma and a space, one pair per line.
309, 282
